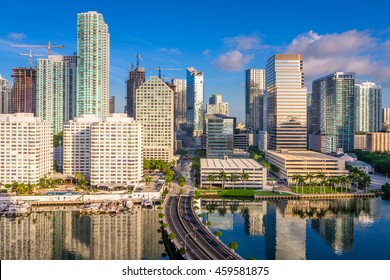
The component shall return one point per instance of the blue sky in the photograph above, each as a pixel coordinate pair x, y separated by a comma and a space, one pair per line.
223, 38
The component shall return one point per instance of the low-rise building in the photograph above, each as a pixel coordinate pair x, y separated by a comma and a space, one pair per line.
368, 169
290, 163
257, 173
378, 142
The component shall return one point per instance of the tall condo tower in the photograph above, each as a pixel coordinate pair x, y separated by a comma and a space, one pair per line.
368, 107
254, 99
136, 79
56, 90
195, 97
180, 103
286, 102
155, 111
5, 96
333, 110
23, 90
93, 65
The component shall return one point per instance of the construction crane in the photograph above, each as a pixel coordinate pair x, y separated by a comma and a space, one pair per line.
48, 46
158, 68
30, 54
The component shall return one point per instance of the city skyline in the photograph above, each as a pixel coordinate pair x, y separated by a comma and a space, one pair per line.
345, 44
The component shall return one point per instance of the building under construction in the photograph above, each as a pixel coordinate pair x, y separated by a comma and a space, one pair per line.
136, 79
24, 90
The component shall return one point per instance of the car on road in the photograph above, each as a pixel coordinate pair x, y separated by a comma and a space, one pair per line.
186, 218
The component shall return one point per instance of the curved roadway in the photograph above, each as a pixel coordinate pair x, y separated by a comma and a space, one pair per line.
199, 242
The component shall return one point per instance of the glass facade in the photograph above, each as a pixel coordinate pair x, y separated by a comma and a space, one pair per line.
195, 105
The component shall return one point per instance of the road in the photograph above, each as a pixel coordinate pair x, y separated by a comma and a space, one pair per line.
198, 241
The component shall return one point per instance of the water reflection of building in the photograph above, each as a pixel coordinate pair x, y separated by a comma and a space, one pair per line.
27, 238
151, 248
218, 221
254, 220
290, 237
337, 231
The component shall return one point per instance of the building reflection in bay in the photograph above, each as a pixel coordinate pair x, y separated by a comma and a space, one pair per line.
67, 235
284, 223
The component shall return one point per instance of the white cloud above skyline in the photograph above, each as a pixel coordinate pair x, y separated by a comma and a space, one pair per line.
16, 36
350, 51
169, 50
232, 61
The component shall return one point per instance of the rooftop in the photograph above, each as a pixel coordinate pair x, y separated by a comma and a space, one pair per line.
359, 163
229, 163
301, 155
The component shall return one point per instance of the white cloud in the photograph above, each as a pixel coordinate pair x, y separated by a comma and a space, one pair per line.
242, 42
168, 50
354, 51
232, 61
17, 36
206, 52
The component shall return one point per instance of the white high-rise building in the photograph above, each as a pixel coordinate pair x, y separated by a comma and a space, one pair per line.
26, 148
56, 89
93, 65
286, 103
116, 152
5, 97
386, 115
368, 107
195, 105
77, 145
254, 99
155, 110
216, 106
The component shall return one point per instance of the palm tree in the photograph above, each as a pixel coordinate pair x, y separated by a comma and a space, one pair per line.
244, 178
296, 179
210, 178
78, 176
301, 181
222, 176
322, 177
233, 178
310, 177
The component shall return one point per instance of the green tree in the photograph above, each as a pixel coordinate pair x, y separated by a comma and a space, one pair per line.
233, 246
321, 177
309, 180
210, 178
182, 181
182, 251
233, 178
148, 180
244, 178
218, 233
222, 176
171, 236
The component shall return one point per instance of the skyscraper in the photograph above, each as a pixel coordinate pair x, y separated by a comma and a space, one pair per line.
180, 103
219, 135
286, 102
216, 106
333, 110
386, 115
195, 97
155, 110
368, 107
26, 148
93, 65
5, 96
23, 90
254, 99
136, 79
116, 152
112, 104
56, 90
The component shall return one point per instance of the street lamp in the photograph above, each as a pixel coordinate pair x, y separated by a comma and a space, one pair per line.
185, 240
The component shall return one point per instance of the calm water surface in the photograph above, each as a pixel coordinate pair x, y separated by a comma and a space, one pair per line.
61, 233
316, 230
